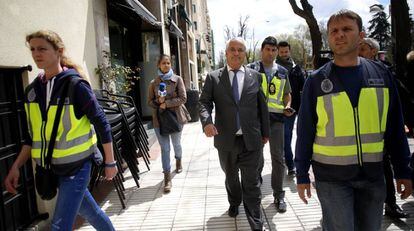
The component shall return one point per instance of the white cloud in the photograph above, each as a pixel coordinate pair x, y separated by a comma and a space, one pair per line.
271, 17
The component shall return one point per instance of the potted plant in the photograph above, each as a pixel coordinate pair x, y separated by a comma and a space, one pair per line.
117, 79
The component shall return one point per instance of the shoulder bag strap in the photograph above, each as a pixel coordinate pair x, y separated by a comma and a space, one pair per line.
56, 123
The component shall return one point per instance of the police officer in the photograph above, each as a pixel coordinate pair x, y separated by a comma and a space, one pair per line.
349, 115
276, 88
296, 80
368, 49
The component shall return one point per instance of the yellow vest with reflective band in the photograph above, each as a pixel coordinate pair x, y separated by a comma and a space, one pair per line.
75, 139
275, 98
347, 135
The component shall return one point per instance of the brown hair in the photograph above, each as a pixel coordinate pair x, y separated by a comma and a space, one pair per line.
54, 39
346, 14
161, 57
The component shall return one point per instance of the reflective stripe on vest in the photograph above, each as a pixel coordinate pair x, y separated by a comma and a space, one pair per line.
274, 101
344, 132
75, 139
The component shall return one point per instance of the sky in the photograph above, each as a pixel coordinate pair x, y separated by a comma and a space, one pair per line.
273, 17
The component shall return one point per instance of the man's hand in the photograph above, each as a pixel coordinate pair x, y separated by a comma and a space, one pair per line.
210, 130
163, 106
406, 191
288, 111
265, 139
301, 191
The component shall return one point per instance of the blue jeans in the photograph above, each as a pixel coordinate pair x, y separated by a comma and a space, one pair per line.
74, 198
351, 205
165, 148
289, 123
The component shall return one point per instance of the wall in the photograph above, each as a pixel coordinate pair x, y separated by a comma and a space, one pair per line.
72, 20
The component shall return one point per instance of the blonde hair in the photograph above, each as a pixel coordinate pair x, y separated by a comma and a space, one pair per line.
54, 39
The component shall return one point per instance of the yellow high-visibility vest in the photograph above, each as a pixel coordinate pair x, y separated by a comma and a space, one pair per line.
274, 92
346, 135
75, 139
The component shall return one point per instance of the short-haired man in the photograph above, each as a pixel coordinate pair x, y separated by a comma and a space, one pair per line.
349, 114
296, 80
368, 49
240, 128
276, 87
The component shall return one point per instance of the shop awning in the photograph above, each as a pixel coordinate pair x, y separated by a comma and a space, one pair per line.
140, 10
175, 30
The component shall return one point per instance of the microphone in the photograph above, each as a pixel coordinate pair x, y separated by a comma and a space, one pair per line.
162, 91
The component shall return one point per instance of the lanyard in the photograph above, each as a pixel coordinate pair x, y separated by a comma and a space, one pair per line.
49, 89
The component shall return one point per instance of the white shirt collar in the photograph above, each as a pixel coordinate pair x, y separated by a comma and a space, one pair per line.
240, 69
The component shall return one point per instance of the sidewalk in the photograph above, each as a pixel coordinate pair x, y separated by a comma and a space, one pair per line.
198, 198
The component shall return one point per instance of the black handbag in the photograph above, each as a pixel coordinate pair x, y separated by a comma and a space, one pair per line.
168, 122
46, 181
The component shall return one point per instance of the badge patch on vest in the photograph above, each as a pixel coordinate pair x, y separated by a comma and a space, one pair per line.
376, 82
326, 86
31, 96
272, 88
281, 76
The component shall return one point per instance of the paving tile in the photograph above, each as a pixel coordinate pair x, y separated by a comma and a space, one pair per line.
198, 200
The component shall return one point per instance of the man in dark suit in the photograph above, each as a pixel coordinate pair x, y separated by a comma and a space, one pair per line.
240, 128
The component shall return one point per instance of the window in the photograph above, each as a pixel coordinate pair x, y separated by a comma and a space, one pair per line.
194, 8
195, 25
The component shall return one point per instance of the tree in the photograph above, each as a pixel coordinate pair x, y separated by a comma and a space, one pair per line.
298, 50
243, 32
379, 27
324, 33
221, 61
401, 36
307, 14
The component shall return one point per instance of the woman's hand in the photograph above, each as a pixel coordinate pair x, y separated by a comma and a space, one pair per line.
12, 180
110, 164
161, 99
110, 172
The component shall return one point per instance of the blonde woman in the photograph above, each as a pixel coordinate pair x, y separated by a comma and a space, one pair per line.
76, 139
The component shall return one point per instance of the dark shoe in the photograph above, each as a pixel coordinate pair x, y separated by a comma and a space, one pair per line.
280, 205
395, 211
292, 172
167, 182
262, 229
178, 166
233, 211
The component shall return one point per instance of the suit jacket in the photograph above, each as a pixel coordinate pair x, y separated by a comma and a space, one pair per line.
254, 117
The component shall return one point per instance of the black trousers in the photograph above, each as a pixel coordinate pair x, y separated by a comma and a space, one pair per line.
389, 181
248, 189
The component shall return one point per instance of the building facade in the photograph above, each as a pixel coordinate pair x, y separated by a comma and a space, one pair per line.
133, 32
204, 37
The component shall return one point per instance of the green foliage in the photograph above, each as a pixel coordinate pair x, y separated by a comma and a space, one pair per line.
300, 44
116, 78
379, 28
